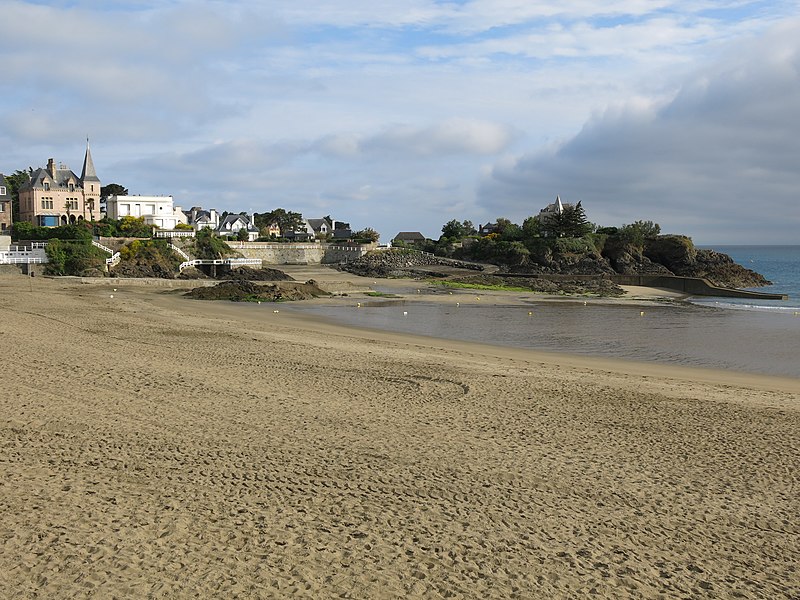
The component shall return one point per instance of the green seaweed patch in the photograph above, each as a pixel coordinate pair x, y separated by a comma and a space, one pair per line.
479, 286
381, 295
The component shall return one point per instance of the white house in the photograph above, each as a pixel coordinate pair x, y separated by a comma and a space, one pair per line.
232, 224
156, 210
556, 208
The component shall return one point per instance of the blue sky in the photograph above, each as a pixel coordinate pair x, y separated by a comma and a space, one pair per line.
404, 115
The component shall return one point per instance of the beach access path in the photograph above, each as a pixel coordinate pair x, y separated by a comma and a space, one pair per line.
155, 446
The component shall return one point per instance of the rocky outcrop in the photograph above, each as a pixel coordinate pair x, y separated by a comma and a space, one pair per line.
720, 270
247, 291
678, 254
401, 263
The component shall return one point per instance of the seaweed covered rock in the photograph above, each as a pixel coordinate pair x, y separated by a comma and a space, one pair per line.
247, 291
250, 274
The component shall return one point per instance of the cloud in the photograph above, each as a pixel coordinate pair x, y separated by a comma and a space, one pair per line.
716, 161
452, 136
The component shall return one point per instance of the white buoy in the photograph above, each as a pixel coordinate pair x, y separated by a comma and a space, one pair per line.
405, 313
275, 311
115, 289
530, 313
641, 314
458, 303
358, 305
111, 296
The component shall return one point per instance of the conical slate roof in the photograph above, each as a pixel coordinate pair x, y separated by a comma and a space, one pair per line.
88, 173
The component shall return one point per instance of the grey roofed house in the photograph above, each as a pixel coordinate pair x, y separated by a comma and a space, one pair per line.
199, 218
321, 226
409, 237
231, 225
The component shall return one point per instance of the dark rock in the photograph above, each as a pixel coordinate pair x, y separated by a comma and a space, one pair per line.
400, 264
247, 291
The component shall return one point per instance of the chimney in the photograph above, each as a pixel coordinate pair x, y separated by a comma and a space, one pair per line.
51, 167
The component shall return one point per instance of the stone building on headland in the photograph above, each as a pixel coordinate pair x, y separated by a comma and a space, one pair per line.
55, 195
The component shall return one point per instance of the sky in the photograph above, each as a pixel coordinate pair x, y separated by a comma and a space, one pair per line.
402, 115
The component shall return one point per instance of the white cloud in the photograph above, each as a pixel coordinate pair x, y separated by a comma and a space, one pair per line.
392, 112
719, 159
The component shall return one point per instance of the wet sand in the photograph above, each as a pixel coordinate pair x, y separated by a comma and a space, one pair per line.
160, 447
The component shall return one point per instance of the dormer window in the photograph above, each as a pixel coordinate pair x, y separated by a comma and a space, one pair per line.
71, 187
46, 186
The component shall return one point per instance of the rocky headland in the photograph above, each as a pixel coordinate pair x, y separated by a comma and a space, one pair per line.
662, 255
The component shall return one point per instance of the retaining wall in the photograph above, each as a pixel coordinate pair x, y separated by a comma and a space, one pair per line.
299, 254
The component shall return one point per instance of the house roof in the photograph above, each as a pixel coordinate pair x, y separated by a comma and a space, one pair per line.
409, 236
41, 176
88, 173
316, 224
231, 219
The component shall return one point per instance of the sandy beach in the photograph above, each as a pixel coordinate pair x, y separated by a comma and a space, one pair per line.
159, 447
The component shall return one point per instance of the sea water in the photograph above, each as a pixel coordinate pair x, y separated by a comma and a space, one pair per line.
722, 333
779, 264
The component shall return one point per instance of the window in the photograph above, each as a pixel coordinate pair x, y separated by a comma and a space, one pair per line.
46, 186
47, 203
2, 207
71, 187
2, 190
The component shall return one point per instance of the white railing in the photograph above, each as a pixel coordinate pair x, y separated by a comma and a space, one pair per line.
14, 258
271, 246
114, 260
233, 262
97, 244
171, 233
180, 252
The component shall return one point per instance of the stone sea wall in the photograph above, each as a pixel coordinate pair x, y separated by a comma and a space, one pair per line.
300, 254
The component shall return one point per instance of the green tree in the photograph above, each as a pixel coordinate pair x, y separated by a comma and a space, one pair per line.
639, 231
13, 182
134, 227
286, 220
531, 228
575, 222
72, 257
242, 235
367, 234
24, 230
502, 224
209, 246
453, 230
112, 189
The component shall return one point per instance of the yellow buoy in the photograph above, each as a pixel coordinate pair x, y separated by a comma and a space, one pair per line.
529, 313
